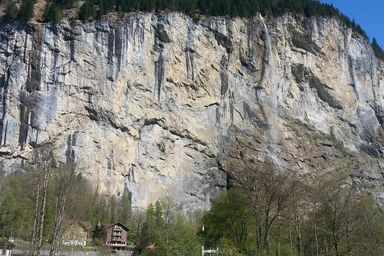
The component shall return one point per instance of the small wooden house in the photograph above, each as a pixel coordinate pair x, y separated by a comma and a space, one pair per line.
76, 234
117, 236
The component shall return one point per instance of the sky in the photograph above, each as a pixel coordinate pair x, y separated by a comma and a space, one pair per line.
368, 13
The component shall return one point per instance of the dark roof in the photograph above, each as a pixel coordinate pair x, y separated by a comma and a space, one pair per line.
118, 223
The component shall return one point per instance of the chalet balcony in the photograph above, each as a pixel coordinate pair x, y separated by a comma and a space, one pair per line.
116, 244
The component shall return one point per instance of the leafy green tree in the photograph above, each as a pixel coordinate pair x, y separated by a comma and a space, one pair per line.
169, 231
124, 209
227, 248
16, 206
229, 218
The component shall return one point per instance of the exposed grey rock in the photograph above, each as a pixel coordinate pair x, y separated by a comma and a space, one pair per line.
158, 105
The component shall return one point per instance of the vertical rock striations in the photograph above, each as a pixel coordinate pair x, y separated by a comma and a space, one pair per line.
159, 105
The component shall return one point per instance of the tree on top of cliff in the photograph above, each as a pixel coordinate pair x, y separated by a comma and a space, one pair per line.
91, 9
235, 8
87, 10
26, 10
54, 13
10, 9
379, 52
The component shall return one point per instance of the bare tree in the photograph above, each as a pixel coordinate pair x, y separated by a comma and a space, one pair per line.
296, 214
270, 194
336, 198
42, 175
65, 181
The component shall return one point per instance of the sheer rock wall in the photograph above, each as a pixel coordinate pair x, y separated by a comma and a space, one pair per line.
161, 105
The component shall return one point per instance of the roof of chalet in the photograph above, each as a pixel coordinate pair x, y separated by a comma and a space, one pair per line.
118, 223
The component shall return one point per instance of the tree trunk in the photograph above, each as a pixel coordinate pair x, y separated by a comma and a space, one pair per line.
58, 226
43, 206
36, 219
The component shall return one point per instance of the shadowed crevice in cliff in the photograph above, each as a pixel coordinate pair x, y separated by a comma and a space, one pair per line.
174, 131
114, 52
248, 59
34, 73
190, 51
190, 63
106, 118
159, 75
4, 83
379, 112
304, 41
224, 41
251, 116
118, 46
224, 75
28, 98
161, 37
223, 38
324, 92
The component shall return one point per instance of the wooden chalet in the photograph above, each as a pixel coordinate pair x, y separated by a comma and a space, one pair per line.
117, 236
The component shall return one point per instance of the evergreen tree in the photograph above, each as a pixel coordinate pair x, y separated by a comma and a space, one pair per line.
123, 5
379, 52
26, 10
54, 13
228, 218
148, 5
106, 6
171, 232
87, 10
11, 9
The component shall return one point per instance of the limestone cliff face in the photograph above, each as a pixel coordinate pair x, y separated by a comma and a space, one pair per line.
161, 105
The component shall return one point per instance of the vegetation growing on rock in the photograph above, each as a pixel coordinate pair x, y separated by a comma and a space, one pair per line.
379, 52
91, 9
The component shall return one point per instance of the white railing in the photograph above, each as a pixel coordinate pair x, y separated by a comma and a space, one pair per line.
116, 244
209, 251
